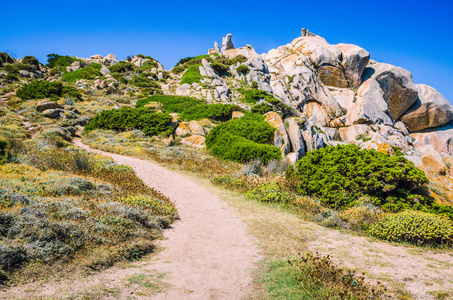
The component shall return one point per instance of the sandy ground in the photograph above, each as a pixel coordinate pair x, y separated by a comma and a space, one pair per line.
207, 254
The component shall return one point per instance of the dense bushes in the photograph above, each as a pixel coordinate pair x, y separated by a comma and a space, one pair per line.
127, 118
192, 75
191, 108
122, 67
3, 150
43, 89
414, 227
243, 139
340, 175
84, 73
217, 112
142, 81
251, 126
261, 108
253, 95
171, 103
55, 60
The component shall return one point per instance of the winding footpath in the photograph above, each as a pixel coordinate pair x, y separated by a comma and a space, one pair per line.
207, 254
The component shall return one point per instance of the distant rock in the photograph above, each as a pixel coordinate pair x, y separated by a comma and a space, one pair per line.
183, 90
216, 47
105, 70
398, 86
227, 44
430, 110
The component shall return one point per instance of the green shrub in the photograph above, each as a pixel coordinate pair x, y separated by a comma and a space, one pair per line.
122, 67
340, 175
242, 69
414, 227
54, 60
171, 103
128, 118
25, 67
261, 108
251, 126
243, 139
84, 73
178, 69
192, 75
3, 151
11, 69
11, 78
217, 112
253, 95
236, 148
57, 70
270, 192
220, 68
43, 89
30, 60
143, 81
5, 58
95, 66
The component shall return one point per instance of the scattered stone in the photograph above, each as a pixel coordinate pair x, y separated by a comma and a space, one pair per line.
45, 104
196, 141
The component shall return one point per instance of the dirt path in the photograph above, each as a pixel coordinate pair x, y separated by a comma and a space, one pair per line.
207, 254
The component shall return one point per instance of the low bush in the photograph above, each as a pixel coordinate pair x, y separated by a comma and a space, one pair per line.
340, 175
5, 58
261, 108
243, 69
11, 78
43, 89
237, 148
95, 66
251, 126
30, 60
143, 81
253, 95
178, 69
122, 67
220, 68
171, 103
24, 67
217, 112
3, 151
270, 192
11, 69
84, 73
127, 118
414, 227
54, 60
192, 75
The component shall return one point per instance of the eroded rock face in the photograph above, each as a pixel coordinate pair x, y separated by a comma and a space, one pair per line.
355, 59
371, 90
227, 44
430, 110
366, 112
398, 86
441, 138
281, 139
295, 136
332, 76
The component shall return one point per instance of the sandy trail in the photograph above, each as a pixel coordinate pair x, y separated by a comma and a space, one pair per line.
208, 253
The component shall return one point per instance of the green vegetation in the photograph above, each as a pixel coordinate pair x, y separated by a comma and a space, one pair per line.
251, 126
122, 67
242, 69
192, 75
143, 81
341, 175
253, 95
217, 112
5, 58
11, 69
191, 108
270, 192
243, 139
95, 66
128, 118
68, 202
414, 227
220, 68
178, 69
43, 89
55, 60
3, 151
84, 73
261, 108
30, 60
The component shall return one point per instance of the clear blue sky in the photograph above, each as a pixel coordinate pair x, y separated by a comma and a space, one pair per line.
416, 35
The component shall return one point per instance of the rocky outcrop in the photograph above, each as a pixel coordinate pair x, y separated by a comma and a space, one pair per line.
227, 44
440, 138
366, 112
430, 110
295, 136
354, 61
396, 83
281, 139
